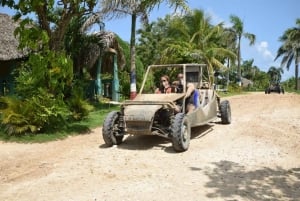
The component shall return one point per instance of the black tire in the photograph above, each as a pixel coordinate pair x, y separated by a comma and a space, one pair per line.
225, 111
110, 130
181, 133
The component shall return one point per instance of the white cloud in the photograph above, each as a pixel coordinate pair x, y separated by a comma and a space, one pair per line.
263, 50
216, 19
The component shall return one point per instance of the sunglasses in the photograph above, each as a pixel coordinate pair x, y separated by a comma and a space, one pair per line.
163, 80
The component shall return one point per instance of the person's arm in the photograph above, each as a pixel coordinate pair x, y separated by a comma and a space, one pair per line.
157, 91
190, 89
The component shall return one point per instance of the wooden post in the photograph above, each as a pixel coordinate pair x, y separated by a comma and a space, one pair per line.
98, 84
115, 81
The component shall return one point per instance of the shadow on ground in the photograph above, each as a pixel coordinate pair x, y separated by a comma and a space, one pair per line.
145, 142
231, 180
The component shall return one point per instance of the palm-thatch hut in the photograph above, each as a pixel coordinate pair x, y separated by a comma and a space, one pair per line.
105, 57
10, 55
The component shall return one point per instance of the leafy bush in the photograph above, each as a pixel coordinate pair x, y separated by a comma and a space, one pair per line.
32, 115
234, 88
52, 71
79, 107
45, 96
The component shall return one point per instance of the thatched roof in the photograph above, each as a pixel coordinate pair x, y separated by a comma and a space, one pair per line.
246, 82
107, 42
8, 43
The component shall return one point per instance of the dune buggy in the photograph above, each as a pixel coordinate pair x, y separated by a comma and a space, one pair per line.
157, 114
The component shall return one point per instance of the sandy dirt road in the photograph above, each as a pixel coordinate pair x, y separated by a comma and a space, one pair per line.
257, 157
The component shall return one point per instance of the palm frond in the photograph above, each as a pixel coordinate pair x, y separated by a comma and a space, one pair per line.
93, 19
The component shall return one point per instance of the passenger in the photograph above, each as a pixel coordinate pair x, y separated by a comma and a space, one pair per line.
192, 98
165, 86
192, 95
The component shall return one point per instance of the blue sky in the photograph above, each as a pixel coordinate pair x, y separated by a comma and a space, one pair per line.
267, 19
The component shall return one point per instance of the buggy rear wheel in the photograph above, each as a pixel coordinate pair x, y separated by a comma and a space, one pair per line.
225, 111
111, 132
181, 133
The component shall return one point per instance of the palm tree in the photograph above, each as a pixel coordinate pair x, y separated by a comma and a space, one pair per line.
134, 8
290, 49
229, 41
238, 29
192, 38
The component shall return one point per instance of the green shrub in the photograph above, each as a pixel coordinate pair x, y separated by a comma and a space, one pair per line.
32, 115
79, 107
234, 88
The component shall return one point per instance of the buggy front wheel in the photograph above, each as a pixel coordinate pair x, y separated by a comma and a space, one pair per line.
111, 131
181, 132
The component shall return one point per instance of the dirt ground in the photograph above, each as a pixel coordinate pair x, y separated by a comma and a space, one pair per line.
257, 157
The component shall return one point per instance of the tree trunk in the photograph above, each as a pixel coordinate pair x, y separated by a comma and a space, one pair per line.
56, 42
132, 58
227, 74
297, 87
57, 37
239, 75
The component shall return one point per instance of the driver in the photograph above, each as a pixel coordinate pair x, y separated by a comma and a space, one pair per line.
165, 86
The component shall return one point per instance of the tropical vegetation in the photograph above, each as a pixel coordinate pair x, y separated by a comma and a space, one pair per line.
47, 96
185, 39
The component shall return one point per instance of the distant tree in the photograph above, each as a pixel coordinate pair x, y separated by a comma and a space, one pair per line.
238, 30
247, 69
261, 79
148, 43
290, 49
275, 74
152, 40
229, 40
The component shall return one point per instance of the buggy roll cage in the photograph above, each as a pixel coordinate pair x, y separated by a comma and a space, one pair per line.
185, 69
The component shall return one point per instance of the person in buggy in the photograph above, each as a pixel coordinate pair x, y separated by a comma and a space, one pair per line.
165, 86
192, 95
